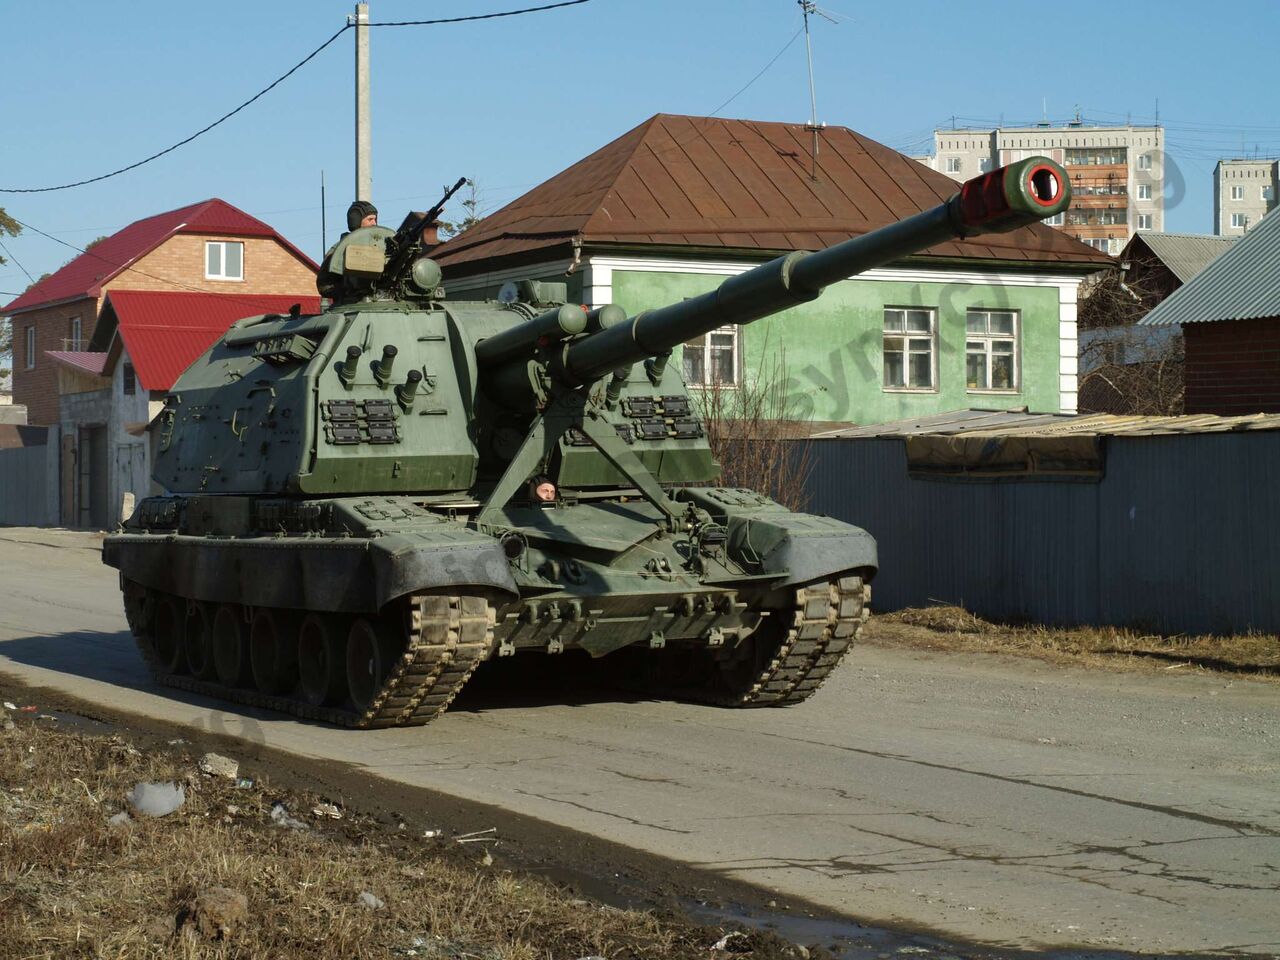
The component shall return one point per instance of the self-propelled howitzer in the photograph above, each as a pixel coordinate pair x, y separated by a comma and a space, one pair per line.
366, 504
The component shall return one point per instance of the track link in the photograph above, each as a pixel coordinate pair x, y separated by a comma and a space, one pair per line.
785, 661
448, 636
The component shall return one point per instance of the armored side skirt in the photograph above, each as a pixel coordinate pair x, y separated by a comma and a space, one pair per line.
353, 575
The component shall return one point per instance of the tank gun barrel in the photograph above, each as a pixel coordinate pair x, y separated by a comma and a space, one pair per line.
1004, 199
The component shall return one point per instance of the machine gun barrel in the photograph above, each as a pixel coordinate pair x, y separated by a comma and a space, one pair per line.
1005, 199
402, 246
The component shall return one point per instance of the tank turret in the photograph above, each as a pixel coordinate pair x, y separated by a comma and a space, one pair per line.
364, 505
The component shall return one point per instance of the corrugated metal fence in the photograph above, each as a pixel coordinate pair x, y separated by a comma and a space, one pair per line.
29, 484
1182, 533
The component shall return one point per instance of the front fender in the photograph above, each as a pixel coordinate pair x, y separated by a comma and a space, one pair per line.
766, 537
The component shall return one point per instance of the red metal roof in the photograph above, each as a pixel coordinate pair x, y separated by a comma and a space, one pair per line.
165, 332
741, 184
82, 361
85, 275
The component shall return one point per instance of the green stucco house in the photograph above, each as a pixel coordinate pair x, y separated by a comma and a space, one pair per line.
671, 208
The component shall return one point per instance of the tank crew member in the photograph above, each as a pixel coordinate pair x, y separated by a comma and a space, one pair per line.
362, 213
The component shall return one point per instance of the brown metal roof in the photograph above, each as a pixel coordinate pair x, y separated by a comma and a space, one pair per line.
741, 184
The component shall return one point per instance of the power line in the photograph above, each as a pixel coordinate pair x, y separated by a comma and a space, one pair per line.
478, 16
279, 80
226, 116
765, 69
15, 259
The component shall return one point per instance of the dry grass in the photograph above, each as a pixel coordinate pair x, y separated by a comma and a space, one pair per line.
71, 885
953, 628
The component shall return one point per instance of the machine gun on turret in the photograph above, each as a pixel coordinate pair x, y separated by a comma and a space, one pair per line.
377, 260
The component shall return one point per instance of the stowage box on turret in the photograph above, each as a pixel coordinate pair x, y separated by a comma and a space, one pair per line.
366, 504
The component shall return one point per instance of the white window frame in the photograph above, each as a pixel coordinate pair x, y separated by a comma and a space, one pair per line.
221, 246
954, 164
1057, 220
77, 329
910, 346
30, 357
1237, 191
1144, 161
1266, 193
1144, 221
1240, 221
1144, 191
708, 351
987, 339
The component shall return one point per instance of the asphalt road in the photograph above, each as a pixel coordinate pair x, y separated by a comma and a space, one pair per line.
1007, 802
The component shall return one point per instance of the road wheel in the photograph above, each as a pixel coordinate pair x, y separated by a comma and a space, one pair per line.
322, 659
273, 650
371, 650
230, 658
167, 634
198, 641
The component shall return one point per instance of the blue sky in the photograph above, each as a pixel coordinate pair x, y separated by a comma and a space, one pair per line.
92, 86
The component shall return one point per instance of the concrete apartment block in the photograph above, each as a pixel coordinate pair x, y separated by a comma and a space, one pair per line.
1244, 191
1117, 173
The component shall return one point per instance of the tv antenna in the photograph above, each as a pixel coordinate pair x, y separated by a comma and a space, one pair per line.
809, 7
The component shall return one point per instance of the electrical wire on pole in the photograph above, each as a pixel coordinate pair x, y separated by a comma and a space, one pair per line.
279, 80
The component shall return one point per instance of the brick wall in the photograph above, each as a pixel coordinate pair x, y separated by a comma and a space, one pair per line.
1233, 366
268, 268
38, 387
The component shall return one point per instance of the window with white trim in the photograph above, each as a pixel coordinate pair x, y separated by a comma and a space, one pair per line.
223, 260
1268, 192
1057, 220
31, 347
910, 346
953, 164
1144, 191
1237, 192
1144, 221
991, 350
1240, 220
76, 328
712, 359
1144, 161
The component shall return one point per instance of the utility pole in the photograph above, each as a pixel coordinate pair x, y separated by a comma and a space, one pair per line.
364, 150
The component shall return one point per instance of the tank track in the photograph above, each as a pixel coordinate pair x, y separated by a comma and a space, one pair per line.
825, 620
448, 637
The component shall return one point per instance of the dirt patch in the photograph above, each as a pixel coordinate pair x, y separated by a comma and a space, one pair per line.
954, 629
246, 868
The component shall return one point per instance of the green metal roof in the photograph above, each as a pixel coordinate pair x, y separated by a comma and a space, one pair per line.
1186, 254
1242, 284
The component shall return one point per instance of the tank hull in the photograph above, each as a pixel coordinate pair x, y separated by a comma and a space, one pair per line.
372, 612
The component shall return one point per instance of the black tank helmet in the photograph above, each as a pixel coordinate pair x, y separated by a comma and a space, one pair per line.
358, 211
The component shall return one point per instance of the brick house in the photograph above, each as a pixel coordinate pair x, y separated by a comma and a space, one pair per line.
673, 207
1230, 319
98, 343
209, 246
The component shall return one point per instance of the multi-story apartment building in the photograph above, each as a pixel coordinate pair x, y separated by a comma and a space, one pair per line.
1244, 191
1117, 173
